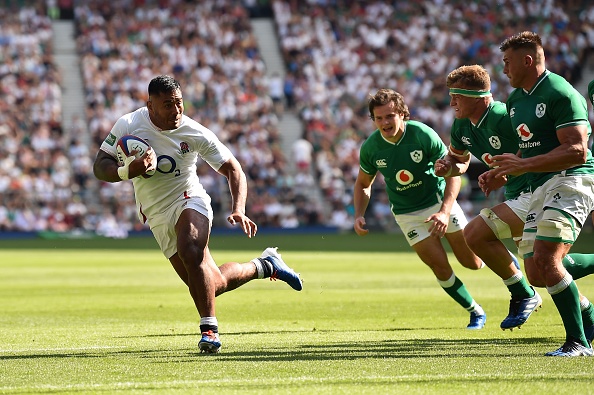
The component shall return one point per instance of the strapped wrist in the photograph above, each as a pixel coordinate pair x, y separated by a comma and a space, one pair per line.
124, 171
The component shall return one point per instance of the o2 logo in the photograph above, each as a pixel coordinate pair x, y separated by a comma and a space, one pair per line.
166, 165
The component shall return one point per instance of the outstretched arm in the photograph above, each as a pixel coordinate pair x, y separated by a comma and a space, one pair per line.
238, 187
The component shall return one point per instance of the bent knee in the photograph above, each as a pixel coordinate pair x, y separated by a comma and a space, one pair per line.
191, 257
534, 275
472, 263
470, 235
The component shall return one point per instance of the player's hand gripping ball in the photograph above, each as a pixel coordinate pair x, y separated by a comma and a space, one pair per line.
129, 143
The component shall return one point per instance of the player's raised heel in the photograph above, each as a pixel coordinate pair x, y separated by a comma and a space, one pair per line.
280, 269
209, 343
520, 310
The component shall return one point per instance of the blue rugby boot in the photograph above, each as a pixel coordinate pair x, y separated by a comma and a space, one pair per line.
520, 310
209, 343
280, 270
477, 321
571, 348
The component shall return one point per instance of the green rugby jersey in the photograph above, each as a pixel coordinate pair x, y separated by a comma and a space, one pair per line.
492, 135
537, 114
407, 166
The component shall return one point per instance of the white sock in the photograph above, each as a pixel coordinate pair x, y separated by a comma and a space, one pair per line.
561, 285
209, 321
514, 279
447, 283
259, 267
584, 303
476, 308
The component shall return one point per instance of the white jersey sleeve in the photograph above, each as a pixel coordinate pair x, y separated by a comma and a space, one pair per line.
121, 128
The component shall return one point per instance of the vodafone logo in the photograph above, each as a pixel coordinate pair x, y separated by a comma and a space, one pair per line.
524, 132
404, 177
487, 158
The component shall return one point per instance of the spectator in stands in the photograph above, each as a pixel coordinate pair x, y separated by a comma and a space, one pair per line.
348, 47
220, 65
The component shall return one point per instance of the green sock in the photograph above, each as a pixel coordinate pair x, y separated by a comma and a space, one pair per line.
459, 293
520, 289
568, 305
588, 316
579, 265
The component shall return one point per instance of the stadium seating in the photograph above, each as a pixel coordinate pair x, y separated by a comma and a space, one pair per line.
336, 53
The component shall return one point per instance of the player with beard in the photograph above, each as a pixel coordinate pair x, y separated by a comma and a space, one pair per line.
551, 119
482, 128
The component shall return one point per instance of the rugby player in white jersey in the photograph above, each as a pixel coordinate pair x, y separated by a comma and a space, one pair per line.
176, 206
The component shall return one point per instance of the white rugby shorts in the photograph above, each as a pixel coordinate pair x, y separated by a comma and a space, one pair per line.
163, 224
572, 197
415, 228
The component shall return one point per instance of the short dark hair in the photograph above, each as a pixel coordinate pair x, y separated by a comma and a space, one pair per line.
528, 40
385, 96
163, 84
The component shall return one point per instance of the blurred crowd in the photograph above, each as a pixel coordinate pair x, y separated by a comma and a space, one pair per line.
209, 47
38, 190
336, 53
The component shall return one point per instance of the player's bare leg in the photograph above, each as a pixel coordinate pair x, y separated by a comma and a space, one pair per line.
196, 267
482, 239
463, 253
432, 253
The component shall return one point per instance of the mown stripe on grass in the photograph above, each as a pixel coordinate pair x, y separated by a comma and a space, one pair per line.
304, 381
33, 350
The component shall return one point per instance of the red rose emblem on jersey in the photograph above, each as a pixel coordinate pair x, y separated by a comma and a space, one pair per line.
404, 177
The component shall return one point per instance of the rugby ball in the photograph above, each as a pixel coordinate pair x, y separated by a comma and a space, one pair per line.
129, 143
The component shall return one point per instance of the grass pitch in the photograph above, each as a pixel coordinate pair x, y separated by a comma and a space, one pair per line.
103, 321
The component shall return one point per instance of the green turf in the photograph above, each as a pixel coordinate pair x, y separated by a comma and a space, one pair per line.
319, 241
120, 321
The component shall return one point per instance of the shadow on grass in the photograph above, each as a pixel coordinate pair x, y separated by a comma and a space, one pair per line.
399, 349
173, 334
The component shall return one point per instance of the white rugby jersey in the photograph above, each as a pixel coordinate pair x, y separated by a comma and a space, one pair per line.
177, 152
